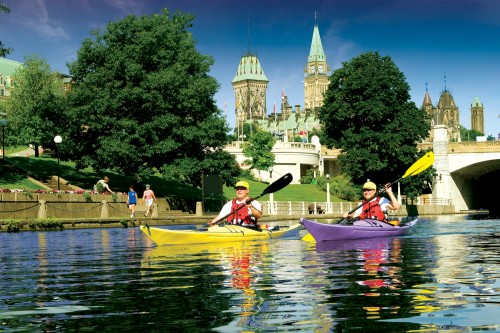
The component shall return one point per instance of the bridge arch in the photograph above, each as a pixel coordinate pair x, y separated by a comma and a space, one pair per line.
477, 180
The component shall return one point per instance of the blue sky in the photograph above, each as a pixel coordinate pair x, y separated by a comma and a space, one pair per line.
444, 43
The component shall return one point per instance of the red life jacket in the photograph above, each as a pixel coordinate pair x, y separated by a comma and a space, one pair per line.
241, 216
372, 210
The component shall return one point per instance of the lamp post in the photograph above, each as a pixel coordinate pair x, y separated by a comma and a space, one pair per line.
58, 140
271, 196
328, 210
3, 122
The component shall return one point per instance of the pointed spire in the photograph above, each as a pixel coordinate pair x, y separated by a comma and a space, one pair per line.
316, 53
427, 103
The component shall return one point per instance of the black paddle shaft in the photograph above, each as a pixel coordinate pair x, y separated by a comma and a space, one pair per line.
274, 187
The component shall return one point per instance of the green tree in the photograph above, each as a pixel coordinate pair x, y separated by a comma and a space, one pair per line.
4, 50
469, 135
368, 114
35, 107
341, 186
143, 101
258, 149
245, 131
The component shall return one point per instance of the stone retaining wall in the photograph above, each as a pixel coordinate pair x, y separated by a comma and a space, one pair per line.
77, 207
29, 205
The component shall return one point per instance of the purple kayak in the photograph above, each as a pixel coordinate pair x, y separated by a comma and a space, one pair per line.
366, 228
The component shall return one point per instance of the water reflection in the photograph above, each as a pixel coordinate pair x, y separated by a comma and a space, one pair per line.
443, 278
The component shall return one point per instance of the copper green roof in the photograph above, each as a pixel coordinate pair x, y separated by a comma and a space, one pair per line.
477, 102
7, 69
302, 121
316, 53
249, 69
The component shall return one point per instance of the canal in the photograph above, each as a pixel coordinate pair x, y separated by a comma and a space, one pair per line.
442, 278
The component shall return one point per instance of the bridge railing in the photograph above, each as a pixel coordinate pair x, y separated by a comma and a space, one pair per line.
333, 208
426, 201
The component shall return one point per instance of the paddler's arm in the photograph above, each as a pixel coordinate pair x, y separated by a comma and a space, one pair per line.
226, 209
212, 222
394, 205
354, 214
255, 212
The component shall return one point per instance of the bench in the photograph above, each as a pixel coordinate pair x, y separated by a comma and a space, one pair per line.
319, 209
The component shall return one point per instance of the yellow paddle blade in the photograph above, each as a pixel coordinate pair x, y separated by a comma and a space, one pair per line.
308, 238
422, 164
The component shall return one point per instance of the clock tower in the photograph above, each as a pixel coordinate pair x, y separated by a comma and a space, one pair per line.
315, 73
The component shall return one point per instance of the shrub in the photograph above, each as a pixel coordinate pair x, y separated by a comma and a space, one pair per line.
124, 222
342, 187
308, 178
12, 225
47, 224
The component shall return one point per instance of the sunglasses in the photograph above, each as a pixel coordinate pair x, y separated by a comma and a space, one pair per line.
240, 188
367, 190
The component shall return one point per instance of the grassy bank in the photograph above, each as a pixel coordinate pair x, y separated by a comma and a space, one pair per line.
16, 177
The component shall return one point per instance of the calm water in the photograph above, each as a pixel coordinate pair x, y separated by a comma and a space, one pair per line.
443, 278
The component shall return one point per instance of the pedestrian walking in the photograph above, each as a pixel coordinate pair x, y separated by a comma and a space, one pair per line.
148, 197
132, 200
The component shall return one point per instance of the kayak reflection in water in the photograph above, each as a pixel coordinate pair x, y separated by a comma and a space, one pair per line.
381, 264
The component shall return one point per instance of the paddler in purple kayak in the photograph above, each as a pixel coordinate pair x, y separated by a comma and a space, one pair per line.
375, 207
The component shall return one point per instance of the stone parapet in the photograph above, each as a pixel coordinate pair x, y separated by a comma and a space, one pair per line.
117, 212
474, 147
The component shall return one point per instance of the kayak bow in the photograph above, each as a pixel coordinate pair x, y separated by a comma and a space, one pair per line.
216, 234
366, 228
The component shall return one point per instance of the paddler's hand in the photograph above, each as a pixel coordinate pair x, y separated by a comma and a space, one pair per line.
388, 188
248, 201
346, 215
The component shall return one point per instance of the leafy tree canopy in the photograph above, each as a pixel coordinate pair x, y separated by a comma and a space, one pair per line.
35, 107
243, 133
258, 148
143, 100
368, 114
4, 50
469, 135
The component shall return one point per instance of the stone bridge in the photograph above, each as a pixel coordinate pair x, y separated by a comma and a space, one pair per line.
468, 173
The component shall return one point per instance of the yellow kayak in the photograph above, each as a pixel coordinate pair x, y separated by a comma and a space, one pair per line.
216, 234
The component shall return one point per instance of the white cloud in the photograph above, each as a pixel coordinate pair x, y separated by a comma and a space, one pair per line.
126, 6
36, 17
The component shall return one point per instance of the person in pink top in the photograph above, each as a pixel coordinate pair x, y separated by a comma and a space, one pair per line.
149, 198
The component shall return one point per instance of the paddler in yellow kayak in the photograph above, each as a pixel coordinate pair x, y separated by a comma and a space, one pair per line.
246, 217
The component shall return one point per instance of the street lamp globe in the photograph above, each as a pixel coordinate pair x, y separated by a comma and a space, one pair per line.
58, 140
271, 195
3, 122
328, 204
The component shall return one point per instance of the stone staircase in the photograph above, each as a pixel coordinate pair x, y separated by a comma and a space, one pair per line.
63, 184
